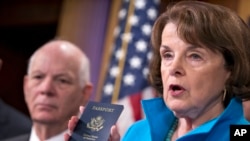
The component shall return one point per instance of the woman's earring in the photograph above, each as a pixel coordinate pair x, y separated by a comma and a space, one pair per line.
224, 94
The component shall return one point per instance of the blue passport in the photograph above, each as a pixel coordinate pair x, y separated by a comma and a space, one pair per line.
96, 121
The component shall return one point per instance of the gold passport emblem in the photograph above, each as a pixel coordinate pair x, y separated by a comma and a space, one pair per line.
96, 123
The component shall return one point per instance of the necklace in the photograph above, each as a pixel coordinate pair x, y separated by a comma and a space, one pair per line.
171, 131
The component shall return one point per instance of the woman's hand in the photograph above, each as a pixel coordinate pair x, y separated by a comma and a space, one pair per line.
72, 124
114, 134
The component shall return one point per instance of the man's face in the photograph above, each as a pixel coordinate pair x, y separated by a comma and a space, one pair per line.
52, 90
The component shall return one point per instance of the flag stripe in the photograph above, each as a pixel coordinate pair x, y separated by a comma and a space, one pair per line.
135, 103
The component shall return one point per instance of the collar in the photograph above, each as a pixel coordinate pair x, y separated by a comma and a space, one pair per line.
159, 117
58, 137
227, 115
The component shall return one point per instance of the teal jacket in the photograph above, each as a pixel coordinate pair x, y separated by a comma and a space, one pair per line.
159, 119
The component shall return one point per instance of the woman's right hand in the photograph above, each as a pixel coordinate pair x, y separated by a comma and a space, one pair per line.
72, 124
114, 134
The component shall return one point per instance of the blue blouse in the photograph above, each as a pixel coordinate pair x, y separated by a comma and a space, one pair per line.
159, 119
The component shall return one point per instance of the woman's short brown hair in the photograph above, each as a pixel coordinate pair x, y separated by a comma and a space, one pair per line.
215, 27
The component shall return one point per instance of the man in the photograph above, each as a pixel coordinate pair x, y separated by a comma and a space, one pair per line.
12, 122
56, 84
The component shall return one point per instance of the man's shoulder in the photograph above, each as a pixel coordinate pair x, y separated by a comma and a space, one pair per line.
13, 123
8, 111
24, 137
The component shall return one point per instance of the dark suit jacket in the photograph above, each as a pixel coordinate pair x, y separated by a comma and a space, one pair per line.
24, 137
12, 122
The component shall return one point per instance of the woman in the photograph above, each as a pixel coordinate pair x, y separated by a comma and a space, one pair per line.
200, 62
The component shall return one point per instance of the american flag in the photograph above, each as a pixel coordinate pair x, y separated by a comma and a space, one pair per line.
126, 80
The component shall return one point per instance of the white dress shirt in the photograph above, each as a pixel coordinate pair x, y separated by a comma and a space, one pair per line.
58, 137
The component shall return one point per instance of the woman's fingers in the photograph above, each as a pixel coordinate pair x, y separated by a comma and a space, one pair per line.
81, 109
114, 134
66, 137
72, 123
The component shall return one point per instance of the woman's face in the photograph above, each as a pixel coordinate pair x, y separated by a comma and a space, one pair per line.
193, 77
